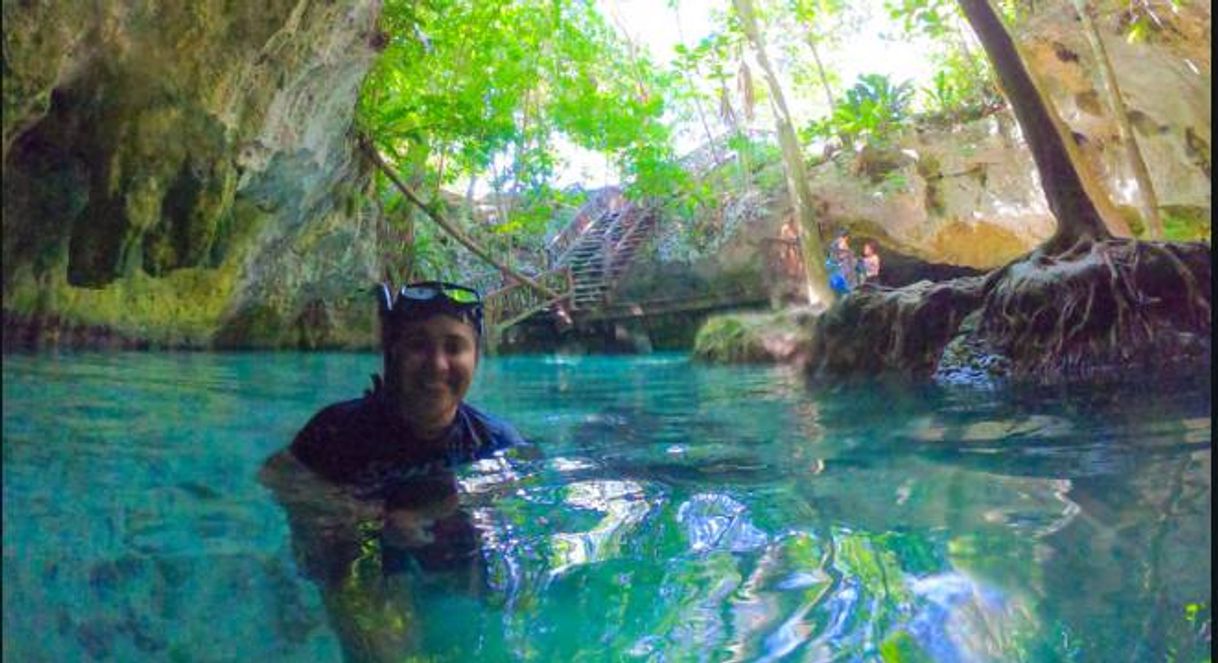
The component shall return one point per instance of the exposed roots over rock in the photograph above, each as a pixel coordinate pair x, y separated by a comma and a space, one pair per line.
1099, 308
879, 330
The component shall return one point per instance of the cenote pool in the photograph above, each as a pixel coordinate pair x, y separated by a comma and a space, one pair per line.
675, 512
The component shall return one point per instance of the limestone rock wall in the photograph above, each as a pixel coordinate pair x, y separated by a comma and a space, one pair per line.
1165, 82
184, 172
965, 195
970, 195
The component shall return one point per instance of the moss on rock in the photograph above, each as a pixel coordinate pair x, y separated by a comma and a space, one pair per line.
157, 181
348, 324
779, 337
1186, 223
183, 309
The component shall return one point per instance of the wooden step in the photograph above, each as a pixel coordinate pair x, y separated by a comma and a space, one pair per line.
604, 252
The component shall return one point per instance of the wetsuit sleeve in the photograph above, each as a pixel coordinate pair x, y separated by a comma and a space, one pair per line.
314, 444
508, 437
494, 433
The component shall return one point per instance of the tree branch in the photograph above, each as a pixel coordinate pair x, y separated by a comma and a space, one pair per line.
447, 227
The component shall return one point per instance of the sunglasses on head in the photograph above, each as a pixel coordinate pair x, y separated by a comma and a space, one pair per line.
425, 297
427, 290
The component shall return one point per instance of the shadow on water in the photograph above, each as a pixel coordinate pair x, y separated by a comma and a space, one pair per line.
1093, 503
1033, 431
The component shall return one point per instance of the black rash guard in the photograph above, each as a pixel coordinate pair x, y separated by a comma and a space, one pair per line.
360, 442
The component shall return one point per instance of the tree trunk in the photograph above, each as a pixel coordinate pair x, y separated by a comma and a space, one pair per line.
797, 179
1147, 199
710, 138
435, 192
820, 69
635, 64
728, 114
1071, 194
469, 191
501, 209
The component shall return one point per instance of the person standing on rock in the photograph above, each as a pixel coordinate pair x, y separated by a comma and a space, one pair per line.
870, 262
843, 265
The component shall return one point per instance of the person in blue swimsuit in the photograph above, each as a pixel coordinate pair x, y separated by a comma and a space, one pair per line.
368, 483
842, 265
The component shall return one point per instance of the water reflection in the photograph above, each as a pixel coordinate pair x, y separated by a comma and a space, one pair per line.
1055, 511
623, 505
678, 512
713, 522
893, 524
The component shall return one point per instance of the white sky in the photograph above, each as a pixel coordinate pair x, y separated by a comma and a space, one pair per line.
653, 25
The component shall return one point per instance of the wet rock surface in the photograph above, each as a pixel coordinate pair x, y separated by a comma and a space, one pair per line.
1105, 308
177, 172
877, 330
742, 338
23, 332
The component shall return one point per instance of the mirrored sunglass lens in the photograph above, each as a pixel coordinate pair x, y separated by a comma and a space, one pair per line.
462, 296
419, 292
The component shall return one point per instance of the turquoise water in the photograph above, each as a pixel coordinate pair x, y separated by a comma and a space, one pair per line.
677, 513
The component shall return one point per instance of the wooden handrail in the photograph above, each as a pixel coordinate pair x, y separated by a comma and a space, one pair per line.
619, 310
513, 303
587, 217
639, 215
525, 314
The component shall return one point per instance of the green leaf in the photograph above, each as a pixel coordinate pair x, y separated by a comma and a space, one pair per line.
1139, 30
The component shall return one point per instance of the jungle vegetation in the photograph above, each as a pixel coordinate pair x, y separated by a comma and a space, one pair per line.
489, 95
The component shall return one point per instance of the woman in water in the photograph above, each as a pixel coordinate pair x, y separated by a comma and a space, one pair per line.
367, 484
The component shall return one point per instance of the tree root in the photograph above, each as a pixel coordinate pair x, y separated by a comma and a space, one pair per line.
1099, 307
880, 330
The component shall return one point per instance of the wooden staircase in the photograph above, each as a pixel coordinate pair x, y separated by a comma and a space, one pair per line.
603, 252
588, 258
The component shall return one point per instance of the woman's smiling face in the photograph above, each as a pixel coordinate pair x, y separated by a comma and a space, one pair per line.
430, 367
